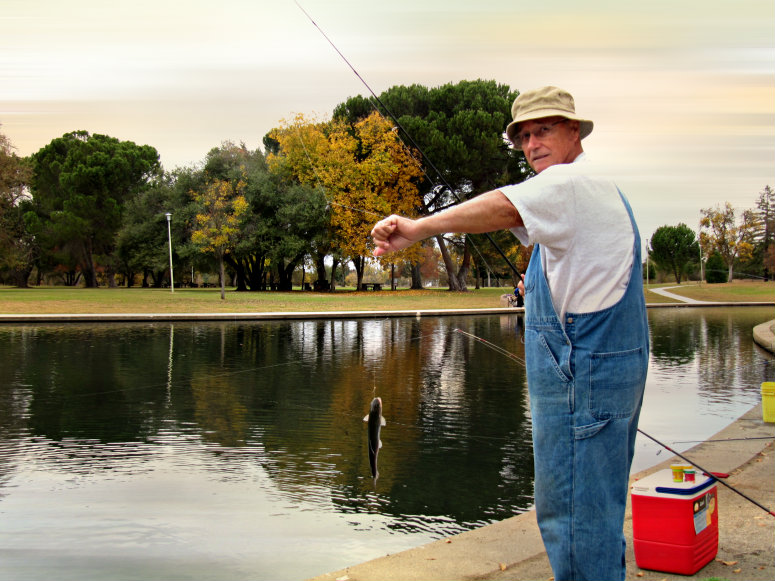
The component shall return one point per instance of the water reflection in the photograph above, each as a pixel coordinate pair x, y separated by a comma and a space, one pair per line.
711, 347
673, 342
226, 444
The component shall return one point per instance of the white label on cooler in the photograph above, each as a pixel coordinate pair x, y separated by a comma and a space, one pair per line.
703, 509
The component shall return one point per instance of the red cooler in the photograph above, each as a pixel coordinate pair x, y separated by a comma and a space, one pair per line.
674, 524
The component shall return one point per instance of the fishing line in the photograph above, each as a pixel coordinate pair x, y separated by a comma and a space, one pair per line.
308, 360
492, 346
724, 440
413, 143
302, 361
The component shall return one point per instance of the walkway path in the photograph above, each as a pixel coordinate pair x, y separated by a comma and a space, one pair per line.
665, 292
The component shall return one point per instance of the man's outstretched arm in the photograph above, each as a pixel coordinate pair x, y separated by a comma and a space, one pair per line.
485, 213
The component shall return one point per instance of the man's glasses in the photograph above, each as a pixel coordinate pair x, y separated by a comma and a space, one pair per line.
540, 133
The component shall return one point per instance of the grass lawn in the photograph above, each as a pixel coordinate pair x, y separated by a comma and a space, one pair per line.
64, 300
737, 291
138, 300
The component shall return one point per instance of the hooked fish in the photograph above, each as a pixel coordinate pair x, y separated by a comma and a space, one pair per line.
375, 422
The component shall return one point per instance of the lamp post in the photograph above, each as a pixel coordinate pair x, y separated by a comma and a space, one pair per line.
699, 243
169, 238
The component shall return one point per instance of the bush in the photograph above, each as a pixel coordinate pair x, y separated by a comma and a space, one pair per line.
651, 274
715, 269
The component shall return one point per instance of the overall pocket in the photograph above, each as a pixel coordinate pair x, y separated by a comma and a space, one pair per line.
545, 359
616, 381
551, 389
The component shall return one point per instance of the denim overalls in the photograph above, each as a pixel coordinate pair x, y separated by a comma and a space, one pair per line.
586, 381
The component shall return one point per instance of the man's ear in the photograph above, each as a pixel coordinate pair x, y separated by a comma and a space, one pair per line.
575, 129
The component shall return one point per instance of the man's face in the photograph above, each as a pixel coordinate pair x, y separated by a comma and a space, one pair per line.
549, 141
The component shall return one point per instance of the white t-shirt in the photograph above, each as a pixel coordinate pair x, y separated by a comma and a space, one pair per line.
584, 231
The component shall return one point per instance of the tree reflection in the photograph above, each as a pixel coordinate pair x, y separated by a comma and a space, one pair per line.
219, 410
674, 339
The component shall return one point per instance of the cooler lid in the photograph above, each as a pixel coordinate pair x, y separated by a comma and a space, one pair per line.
661, 483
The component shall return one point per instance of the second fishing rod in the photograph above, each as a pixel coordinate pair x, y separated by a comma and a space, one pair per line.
715, 476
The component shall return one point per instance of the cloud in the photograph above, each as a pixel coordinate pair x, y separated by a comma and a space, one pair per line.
681, 92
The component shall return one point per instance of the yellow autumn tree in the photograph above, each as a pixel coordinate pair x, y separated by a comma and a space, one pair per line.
222, 205
302, 146
365, 170
730, 239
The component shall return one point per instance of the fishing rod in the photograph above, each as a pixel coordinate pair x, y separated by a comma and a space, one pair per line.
709, 473
412, 142
649, 436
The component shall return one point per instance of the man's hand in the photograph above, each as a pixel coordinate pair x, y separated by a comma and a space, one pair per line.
395, 233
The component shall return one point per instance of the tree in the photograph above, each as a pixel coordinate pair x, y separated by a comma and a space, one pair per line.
489, 261
294, 152
673, 247
217, 223
379, 176
17, 246
141, 243
768, 261
249, 255
765, 244
295, 225
430, 263
79, 185
364, 170
460, 128
725, 236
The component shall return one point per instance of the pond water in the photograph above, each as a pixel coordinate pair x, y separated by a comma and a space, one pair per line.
238, 450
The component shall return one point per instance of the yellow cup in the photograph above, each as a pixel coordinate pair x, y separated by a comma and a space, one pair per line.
678, 472
768, 401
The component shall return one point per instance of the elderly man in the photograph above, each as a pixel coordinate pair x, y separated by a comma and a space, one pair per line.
586, 331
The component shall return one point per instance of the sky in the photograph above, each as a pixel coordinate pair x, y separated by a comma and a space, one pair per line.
682, 92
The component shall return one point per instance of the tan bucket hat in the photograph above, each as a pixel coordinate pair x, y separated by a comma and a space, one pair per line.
544, 102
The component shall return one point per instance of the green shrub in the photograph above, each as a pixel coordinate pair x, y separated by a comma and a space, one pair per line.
715, 269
